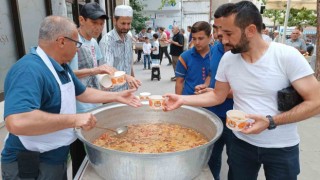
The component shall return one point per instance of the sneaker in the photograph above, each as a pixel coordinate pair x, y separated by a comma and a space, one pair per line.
173, 79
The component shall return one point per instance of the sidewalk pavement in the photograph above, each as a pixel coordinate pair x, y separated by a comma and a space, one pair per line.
308, 130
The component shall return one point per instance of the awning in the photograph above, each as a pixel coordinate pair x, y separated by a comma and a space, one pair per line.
313, 31
296, 4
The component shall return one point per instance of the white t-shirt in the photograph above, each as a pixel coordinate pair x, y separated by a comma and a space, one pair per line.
266, 38
146, 48
255, 89
156, 44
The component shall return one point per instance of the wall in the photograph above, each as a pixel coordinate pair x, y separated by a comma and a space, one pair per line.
32, 12
8, 51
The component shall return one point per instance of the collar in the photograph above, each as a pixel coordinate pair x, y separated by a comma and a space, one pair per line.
59, 68
117, 36
220, 47
195, 53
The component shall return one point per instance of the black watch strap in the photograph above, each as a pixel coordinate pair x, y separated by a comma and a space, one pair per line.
272, 125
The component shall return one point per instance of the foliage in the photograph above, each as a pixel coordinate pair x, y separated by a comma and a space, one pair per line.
164, 2
277, 16
297, 17
302, 17
138, 21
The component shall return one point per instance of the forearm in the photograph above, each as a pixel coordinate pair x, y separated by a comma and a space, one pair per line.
178, 88
38, 122
300, 112
309, 88
177, 43
92, 95
85, 72
207, 99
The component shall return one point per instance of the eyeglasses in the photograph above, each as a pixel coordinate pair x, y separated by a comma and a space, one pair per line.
78, 44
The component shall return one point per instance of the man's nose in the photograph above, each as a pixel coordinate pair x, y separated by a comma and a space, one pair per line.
225, 40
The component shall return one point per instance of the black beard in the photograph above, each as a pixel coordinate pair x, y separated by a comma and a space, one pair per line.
242, 46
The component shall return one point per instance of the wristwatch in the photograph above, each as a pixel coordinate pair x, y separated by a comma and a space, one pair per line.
272, 125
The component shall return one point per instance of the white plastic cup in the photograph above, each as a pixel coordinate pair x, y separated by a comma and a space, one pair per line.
236, 120
156, 102
104, 80
144, 95
118, 78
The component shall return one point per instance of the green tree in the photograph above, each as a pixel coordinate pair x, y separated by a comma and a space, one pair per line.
297, 17
277, 16
164, 2
302, 17
138, 21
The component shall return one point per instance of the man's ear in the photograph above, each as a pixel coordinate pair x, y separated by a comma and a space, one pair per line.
251, 30
60, 41
81, 19
114, 20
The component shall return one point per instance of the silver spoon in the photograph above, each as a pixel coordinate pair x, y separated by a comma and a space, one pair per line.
119, 131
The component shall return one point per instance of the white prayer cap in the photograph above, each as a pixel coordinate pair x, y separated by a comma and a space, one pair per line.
123, 10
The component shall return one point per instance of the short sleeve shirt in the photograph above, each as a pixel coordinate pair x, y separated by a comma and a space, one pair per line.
255, 87
117, 53
30, 85
298, 44
193, 68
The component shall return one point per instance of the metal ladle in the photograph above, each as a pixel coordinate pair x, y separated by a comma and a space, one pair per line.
119, 131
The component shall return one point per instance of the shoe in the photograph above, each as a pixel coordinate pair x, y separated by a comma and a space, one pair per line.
169, 64
173, 79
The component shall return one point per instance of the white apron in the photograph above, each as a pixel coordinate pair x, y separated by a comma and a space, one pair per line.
50, 141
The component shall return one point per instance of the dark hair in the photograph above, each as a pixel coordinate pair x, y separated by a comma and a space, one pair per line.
155, 36
221, 10
189, 27
146, 37
161, 28
246, 13
263, 26
201, 26
149, 29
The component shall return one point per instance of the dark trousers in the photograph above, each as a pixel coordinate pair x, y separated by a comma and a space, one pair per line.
77, 153
164, 50
215, 159
46, 171
139, 55
245, 161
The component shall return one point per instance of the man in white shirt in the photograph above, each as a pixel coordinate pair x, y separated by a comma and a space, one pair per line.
256, 71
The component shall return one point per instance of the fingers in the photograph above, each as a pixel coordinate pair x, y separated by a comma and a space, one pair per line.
89, 122
105, 69
134, 83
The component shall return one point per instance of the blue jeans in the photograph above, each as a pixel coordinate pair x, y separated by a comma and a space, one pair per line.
215, 159
245, 161
146, 58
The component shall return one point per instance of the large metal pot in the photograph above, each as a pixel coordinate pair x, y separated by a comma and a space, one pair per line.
117, 165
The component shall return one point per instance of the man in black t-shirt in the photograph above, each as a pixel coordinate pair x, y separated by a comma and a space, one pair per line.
176, 47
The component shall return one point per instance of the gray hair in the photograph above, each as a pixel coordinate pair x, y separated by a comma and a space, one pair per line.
54, 26
182, 30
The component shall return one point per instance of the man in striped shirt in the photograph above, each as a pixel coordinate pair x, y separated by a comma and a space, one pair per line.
116, 47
